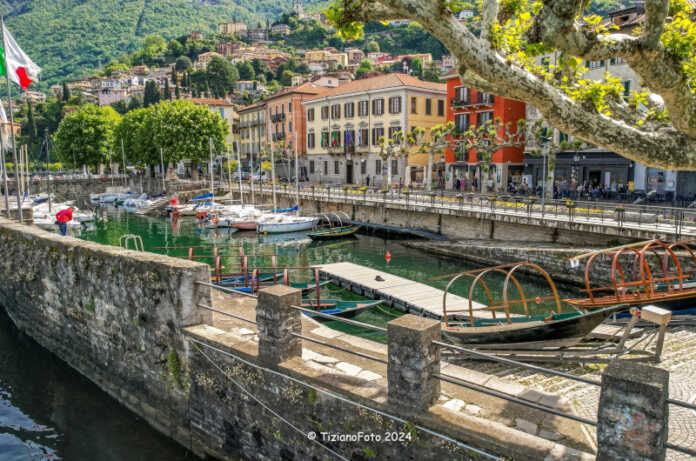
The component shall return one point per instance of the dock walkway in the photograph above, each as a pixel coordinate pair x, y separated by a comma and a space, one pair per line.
401, 293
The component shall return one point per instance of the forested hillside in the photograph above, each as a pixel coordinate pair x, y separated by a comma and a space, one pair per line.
71, 38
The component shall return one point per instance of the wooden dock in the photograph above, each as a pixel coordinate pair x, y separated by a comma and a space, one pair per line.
401, 293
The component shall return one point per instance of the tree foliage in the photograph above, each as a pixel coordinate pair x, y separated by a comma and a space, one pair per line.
656, 126
86, 136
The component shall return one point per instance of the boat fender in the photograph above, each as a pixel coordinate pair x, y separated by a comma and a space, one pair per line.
216, 220
549, 318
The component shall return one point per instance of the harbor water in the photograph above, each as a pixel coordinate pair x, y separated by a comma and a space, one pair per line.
49, 411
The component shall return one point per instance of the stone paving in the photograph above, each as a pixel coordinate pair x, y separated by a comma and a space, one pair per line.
677, 357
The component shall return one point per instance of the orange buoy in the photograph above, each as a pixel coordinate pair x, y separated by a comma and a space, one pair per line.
538, 299
387, 256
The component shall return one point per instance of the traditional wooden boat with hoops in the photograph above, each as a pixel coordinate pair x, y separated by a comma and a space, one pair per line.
333, 226
526, 332
650, 272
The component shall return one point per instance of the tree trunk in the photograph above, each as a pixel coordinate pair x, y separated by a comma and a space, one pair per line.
550, 174
429, 172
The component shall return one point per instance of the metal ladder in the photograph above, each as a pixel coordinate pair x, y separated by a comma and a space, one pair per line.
135, 239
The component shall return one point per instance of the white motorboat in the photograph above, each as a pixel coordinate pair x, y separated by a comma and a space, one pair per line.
283, 223
132, 204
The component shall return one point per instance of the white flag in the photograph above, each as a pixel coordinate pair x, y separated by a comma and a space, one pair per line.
19, 67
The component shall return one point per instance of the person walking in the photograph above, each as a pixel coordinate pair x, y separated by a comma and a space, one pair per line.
63, 217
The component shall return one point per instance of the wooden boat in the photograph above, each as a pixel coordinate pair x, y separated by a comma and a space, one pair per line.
515, 331
339, 307
533, 332
306, 287
244, 280
333, 233
666, 283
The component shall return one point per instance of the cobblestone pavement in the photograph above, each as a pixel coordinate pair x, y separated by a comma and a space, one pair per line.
678, 358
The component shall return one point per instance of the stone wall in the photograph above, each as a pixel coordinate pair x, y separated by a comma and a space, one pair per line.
465, 224
113, 315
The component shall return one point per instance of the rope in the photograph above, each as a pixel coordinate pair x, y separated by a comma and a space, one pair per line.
345, 400
266, 407
379, 308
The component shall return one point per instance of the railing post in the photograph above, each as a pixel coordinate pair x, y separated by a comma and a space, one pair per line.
413, 361
276, 321
633, 417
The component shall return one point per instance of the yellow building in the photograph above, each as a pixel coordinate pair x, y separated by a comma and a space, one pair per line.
344, 125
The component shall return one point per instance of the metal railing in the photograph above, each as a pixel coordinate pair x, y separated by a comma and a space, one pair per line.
458, 381
661, 219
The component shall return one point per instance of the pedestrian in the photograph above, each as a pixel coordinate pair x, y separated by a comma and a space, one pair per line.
368, 181
63, 217
458, 184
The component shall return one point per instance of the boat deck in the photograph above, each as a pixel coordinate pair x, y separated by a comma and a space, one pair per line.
399, 292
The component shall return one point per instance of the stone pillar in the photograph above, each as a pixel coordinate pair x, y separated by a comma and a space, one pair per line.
633, 413
276, 321
413, 359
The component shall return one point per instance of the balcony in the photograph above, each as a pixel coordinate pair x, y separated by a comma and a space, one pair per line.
457, 103
278, 117
278, 136
335, 150
362, 149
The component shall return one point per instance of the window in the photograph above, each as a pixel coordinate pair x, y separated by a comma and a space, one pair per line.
349, 110
324, 138
376, 134
363, 108
290, 106
461, 94
414, 105
378, 107
336, 138
485, 98
393, 130
311, 166
483, 117
326, 167
349, 136
428, 106
336, 112
627, 88
395, 105
310, 115
337, 167
364, 138
461, 122
440, 107
310, 140
395, 166
363, 167
378, 166
546, 62
290, 126
562, 137
325, 113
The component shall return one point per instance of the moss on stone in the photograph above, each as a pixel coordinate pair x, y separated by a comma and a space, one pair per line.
312, 398
174, 366
91, 306
369, 453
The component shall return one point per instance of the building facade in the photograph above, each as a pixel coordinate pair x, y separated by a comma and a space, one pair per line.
225, 110
468, 108
252, 133
345, 124
232, 28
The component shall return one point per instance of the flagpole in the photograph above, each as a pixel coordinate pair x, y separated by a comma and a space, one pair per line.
4, 172
239, 169
123, 155
297, 174
12, 133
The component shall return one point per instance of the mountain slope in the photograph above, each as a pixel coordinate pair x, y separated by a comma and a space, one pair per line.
71, 38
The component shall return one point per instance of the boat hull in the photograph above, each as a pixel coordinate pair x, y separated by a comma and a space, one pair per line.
339, 307
244, 225
334, 233
281, 228
524, 333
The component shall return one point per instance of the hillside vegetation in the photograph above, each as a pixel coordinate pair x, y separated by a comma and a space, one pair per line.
71, 38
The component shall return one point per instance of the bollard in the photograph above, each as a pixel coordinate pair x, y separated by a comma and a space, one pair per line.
276, 320
413, 359
633, 417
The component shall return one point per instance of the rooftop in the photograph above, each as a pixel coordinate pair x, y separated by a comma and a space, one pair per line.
383, 82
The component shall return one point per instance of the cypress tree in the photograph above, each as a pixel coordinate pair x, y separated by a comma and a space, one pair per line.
167, 94
66, 92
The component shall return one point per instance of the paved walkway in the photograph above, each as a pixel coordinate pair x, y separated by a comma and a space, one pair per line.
660, 220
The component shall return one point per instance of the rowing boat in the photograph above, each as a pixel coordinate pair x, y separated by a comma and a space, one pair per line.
333, 233
554, 330
339, 307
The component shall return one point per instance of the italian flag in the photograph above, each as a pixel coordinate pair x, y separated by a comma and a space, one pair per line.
15, 63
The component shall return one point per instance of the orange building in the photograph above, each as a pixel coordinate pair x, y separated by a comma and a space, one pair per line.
469, 108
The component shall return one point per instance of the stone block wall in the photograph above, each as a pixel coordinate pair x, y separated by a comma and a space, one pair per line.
113, 315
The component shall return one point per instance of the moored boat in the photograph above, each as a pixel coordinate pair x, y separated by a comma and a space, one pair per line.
338, 307
285, 224
333, 233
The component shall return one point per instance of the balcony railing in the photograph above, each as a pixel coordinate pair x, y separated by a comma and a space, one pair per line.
455, 102
278, 136
278, 117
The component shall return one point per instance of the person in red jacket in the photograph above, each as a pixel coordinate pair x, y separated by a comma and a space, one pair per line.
63, 218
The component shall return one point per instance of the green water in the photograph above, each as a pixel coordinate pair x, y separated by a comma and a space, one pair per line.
160, 235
